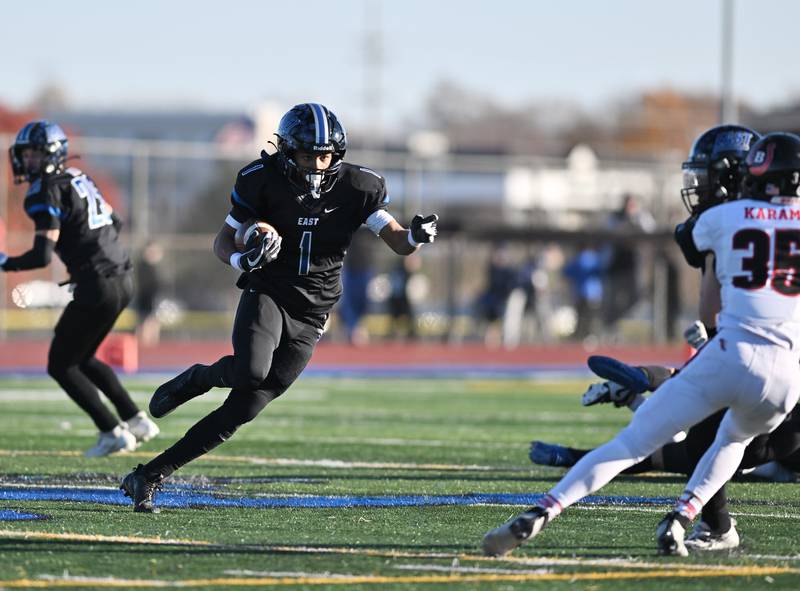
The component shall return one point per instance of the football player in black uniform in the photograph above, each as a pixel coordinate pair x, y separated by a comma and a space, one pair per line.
290, 281
72, 219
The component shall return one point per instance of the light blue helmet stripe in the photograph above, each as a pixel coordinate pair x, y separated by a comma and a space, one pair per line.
22, 136
321, 122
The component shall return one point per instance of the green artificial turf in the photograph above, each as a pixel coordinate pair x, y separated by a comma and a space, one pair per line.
363, 437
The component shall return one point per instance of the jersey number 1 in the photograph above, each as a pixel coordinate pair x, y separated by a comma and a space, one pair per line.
786, 260
305, 254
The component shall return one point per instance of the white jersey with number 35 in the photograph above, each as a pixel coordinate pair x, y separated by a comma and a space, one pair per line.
757, 250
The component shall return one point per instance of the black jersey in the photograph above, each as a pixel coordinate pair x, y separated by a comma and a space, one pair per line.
71, 203
305, 279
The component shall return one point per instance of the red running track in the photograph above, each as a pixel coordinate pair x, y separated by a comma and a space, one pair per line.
31, 355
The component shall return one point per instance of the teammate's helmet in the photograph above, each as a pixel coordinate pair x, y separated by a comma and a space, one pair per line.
44, 136
772, 168
312, 128
712, 172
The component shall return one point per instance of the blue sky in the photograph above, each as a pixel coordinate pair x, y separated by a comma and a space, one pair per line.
233, 54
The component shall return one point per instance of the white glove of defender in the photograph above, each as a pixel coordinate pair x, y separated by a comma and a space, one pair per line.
696, 335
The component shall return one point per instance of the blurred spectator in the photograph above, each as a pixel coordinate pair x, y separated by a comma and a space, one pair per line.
502, 278
666, 264
521, 303
585, 273
358, 270
621, 258
401, 310
148, 291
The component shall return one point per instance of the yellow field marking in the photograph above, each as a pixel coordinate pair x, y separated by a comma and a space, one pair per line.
518, 560
514, 559
40, 535
748, 571
270, 461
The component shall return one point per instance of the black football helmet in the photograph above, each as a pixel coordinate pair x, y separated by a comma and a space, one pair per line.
312, 128
45, 137
712, 172
772, 168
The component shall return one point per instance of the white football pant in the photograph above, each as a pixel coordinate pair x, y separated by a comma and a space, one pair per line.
756, 379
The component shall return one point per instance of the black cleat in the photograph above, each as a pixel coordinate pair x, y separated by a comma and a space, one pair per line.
170, 395
142, 490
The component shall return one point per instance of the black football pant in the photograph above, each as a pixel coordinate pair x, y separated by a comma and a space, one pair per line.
86, 321
270, 350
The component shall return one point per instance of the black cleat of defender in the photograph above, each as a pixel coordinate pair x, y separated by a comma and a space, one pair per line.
142, 490
170, 395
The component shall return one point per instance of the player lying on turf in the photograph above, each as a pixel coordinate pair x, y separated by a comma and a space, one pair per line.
775, 455
72, 219
751, 367
291, 278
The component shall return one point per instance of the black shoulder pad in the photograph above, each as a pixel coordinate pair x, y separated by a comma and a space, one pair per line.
683, 236
365, 179
249, 183
252, 169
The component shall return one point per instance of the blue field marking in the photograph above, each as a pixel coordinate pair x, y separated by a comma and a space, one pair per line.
12, 515
182, 498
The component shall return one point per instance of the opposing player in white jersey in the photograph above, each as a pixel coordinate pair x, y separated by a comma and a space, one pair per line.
751, 366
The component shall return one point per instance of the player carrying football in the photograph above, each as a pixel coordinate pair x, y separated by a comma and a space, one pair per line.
290, 279
72, 219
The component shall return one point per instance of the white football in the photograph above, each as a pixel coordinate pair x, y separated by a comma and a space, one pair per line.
249, 231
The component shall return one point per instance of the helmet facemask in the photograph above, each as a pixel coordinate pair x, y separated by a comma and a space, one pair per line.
707, 185
313, 182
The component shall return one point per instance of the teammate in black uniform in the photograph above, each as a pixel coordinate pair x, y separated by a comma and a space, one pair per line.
290, 281
72, 218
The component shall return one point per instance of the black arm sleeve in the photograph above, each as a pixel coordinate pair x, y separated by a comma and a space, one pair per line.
683, 236
38, 256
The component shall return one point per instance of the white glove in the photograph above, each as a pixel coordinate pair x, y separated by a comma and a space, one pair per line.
273, 246
263, 252
696, 335
603, 392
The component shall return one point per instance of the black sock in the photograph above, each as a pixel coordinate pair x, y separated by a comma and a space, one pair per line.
715, 512
107, 381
